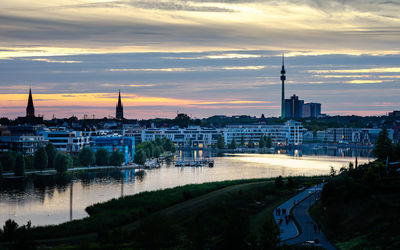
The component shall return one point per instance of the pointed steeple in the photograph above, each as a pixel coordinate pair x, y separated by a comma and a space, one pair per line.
119, 112
30, 109
283, 78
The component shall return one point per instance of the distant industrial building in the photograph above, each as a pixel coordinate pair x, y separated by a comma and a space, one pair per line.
311, 110
395, 113
294, 108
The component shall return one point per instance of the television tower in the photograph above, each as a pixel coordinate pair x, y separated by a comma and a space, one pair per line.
283, 78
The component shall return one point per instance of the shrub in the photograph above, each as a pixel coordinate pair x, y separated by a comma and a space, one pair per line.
279, 182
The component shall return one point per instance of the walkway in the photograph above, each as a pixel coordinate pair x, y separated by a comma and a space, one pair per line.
52, 171
306, 224
300, 204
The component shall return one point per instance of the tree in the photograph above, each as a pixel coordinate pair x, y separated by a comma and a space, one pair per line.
9, 229
116, 158
332, 173
242, 141
220, 142
182, 120
261, 143
383, 145
140, 157
279, 182
19, 165
51, 154
156, 152
233, 144
250, 144
268, 142
86, 157
62, 162
29, 161
102, 157
40, 159
8, 160
269, 236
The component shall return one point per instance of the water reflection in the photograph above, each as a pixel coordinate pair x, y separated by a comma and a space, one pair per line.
51, 199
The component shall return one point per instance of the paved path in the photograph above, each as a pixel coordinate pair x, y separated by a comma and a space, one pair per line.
306, 223
52, 171
300, 204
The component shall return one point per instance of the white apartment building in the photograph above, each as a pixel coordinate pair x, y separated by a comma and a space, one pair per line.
194, 136
352, 135
65, 140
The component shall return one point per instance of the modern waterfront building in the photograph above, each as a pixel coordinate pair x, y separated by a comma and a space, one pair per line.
25, 144
290, 132
353, 135
124, 144
65, 140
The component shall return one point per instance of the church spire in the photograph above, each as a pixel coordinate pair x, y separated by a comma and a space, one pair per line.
119, 112
30, 109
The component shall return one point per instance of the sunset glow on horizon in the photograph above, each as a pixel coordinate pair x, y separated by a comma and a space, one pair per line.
198, 57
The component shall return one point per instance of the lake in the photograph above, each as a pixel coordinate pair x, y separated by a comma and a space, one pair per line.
55, 199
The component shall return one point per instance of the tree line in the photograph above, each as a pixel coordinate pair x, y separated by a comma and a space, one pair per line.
48, 158
153, 149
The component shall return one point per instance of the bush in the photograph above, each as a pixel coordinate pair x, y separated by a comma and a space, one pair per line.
62, 162
279, 182
40, 159
102, 157
86, 157
19, 169
291, 183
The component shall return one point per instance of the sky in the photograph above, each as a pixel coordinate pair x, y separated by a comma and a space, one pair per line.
203, 58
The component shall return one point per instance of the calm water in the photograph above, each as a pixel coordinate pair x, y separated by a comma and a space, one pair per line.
53, 199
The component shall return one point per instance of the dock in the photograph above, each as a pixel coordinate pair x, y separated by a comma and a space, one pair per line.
195, 163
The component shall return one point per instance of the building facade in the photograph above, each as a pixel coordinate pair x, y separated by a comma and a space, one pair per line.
294, 108
124, 144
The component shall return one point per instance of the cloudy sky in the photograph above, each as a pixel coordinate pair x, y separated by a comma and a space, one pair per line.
198, 57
